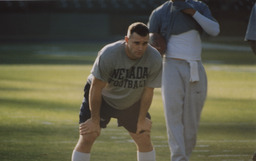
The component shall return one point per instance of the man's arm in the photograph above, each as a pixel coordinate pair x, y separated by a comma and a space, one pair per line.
144, 124
95, 99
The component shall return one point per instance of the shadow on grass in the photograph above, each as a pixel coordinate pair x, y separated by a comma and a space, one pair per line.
221, 132
43, 53
228, 57
46, 106
33, 59
232, 102
74, 54
37, 142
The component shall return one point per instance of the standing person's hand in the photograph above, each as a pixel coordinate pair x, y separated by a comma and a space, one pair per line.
189, 11
253, 45
184, 7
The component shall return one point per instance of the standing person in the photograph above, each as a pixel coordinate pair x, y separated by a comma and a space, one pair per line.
184, 81
121, 86
250, 35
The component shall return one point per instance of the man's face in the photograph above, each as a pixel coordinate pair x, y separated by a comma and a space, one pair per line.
136, 45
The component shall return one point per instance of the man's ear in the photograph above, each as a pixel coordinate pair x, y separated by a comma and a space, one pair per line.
126, 39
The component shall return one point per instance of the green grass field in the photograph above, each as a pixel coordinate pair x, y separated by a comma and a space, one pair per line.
41, 89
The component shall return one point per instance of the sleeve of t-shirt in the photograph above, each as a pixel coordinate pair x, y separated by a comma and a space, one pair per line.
155, 75
101, 68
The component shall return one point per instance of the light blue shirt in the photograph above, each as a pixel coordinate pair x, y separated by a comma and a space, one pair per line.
168, 20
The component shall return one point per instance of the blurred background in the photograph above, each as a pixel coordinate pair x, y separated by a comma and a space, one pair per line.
101, 20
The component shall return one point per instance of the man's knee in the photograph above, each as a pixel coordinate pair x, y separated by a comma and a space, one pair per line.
88, 138
85, 142
143, 139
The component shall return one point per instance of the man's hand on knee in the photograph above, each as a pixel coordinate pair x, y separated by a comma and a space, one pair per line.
144, 126
89, 127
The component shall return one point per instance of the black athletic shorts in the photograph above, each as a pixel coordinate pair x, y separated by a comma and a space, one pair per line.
127, 118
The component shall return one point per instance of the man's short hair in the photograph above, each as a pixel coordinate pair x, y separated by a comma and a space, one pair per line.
139, 28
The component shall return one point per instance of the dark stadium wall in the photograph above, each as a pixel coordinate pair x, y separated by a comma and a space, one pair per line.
79, 20
92, 27
53, 27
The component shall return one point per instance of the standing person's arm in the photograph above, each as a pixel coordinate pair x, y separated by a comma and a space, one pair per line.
144, 124
202, 15
250, 35
209, 26
95, 98
253, 45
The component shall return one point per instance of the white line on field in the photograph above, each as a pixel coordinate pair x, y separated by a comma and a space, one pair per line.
233, 160
225, 47
228, 141
161, 146
197, 151
228, 155
202, 146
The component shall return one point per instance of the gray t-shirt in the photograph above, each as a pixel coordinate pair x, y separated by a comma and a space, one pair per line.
126, 78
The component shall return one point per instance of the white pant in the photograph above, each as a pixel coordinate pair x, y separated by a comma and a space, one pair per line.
183, 102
